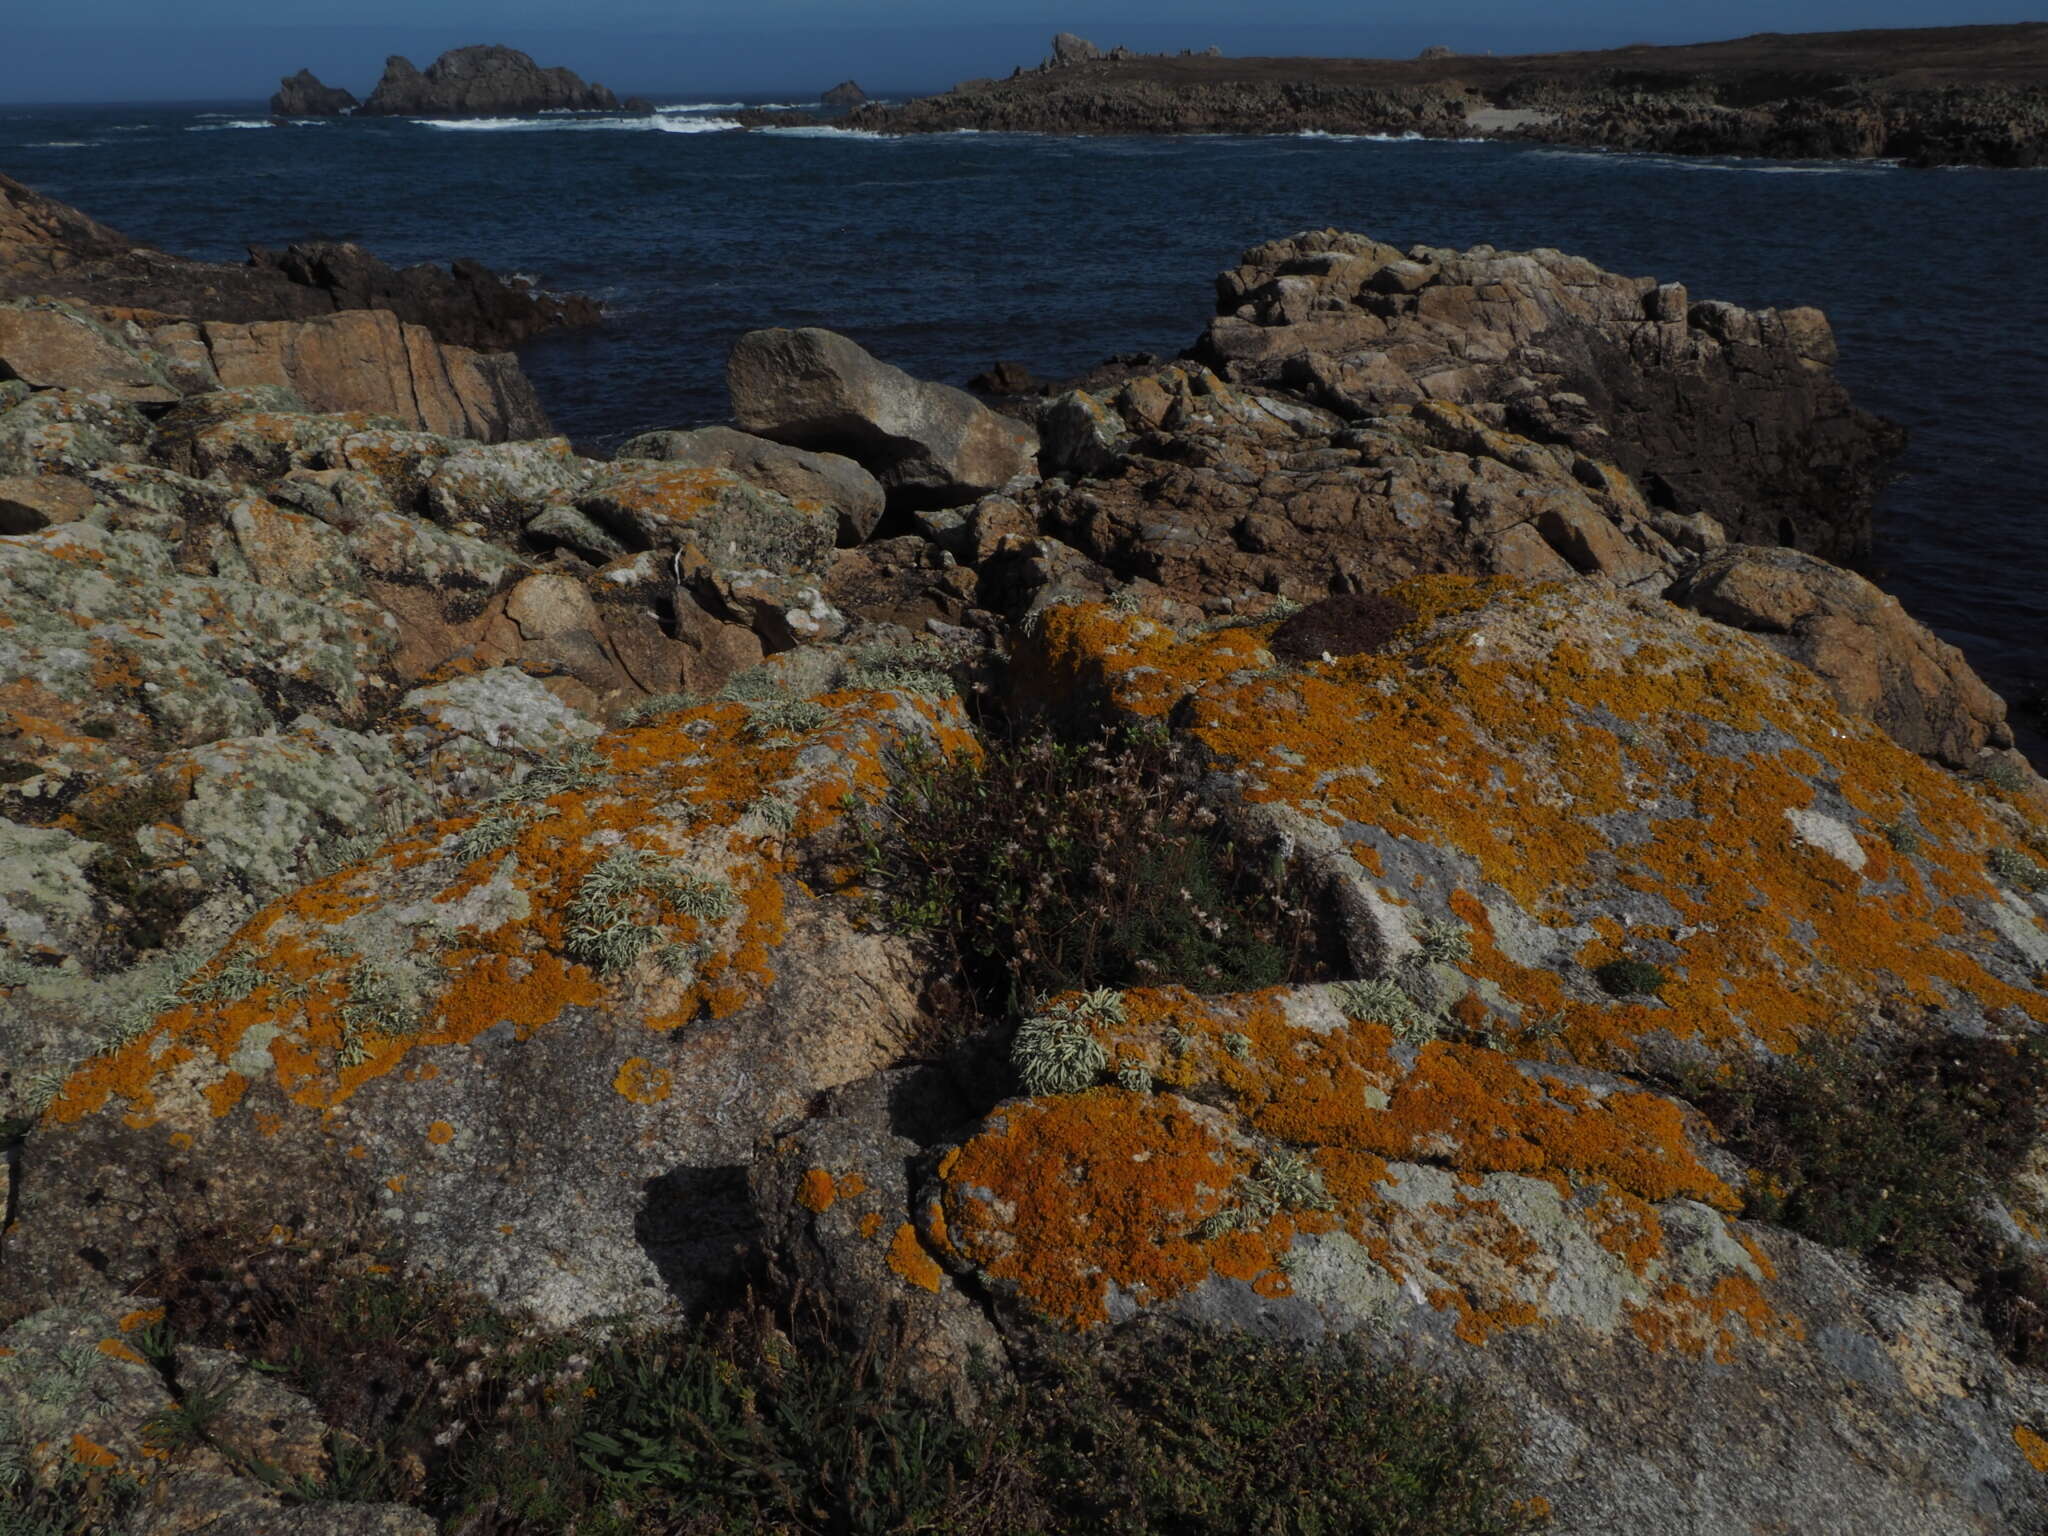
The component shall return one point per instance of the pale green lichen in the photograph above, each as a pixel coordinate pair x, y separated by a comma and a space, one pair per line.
579, 768
491, 833
785, 718
1134, 1079
1380, 1001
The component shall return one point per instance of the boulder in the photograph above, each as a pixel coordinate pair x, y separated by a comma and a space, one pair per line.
481, 81
714, 518
55, 346
1877, 660
1069, 49
29, 502
928, 444
837, 481
303, 95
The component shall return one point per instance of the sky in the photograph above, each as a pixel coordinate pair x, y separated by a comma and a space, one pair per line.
228, 50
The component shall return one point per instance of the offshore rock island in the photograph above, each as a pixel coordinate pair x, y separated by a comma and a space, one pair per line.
485, 80
482, 925
1937, 96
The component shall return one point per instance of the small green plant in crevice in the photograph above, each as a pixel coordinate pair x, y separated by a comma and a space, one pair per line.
1893, 1151
658, 706
1050, 864
80, 1502
1903, 837
1383, 1001
613, 917
2017, 869
785, 719
188, 1422
1282, 1181
2003, 773
1445, 943
581, 767
1056, 1051
916, 669
1630, 978
1168, 1430
382, 999
490, 833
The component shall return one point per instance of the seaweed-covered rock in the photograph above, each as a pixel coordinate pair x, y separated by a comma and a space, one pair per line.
532, 1044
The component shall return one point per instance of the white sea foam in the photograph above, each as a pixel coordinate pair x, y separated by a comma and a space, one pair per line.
241, 122
820, 131
579, 125
1361, 138
63, 144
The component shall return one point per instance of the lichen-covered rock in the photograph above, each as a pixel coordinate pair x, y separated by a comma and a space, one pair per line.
505, 486
476, 735
78, 1398
727, 522
1878, 660
832, 478
1570, 777
103, 636
834, 1201
65, 431
48, 906
532, 1044
50, 345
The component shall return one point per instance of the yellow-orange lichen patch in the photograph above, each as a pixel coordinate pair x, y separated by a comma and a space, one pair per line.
440, 1133
908, 1259
89, 1453
815, 1191
2032, 1446
640, 1081
115, 1349
870, 1224
1064, 1199
142, 1317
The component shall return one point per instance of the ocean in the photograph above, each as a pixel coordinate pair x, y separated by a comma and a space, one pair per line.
945, 254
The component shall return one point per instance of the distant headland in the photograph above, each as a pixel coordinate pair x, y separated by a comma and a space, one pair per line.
1930, 96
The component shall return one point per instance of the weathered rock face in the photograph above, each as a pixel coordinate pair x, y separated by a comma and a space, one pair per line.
928, 444
49, 345
1877, 659
367, 360
1710, 408
303, 95
1069, 49
481, 81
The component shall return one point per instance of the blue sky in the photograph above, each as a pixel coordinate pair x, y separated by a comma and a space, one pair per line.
121, 50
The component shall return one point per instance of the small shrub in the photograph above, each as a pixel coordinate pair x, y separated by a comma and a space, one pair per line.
2003, 773
1446, 943
1630, 978
1902, 836
1051, 865
1350, 624
1171, 1431
1892, 1152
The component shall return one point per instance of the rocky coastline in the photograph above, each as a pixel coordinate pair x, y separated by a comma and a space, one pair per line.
468, 908
1941, 96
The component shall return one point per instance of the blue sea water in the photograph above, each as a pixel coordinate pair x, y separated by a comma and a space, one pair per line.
945, 254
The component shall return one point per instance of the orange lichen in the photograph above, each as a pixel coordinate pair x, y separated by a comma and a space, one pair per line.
143, 1317
870, 1224
2032, 1446
440, 1133
1065, 1198
816, 1191
88, 1453
908, 1259
114, 1349
640, 1081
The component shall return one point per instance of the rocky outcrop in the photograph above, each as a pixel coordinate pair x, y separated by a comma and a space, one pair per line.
1709, 408
1069, 49
303, 95
928, 444
845, 94
481, 81
1878, 660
